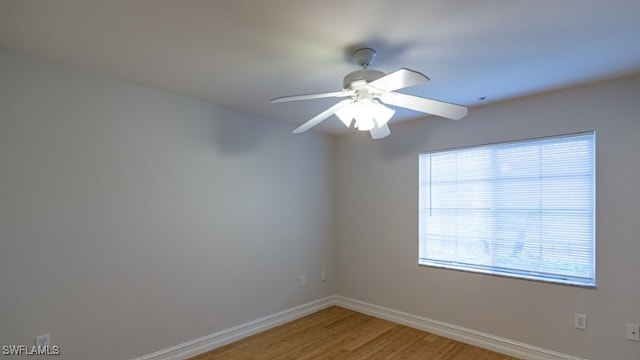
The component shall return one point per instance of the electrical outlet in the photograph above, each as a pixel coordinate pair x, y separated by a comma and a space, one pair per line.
43, 340
580, 321
633, 332
323, 275
303, 280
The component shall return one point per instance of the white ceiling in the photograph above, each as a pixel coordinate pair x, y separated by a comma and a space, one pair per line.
242, 53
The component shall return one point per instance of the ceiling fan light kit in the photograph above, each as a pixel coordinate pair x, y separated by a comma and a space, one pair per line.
367, 90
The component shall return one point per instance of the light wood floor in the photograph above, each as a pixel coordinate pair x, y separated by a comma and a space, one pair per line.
340, 334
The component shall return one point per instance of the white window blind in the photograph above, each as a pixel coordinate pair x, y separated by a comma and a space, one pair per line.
523, 209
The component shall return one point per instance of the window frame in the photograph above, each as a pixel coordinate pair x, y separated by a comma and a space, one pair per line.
580, 281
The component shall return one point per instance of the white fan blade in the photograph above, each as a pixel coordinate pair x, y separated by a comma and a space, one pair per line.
429, 106
399, 79
380, 132
323, 115
311, 96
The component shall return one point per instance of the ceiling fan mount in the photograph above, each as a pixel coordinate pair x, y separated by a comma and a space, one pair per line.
364, 56
358, 79
367, 90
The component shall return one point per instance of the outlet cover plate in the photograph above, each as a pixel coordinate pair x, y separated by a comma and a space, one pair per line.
43, 340
580, 321
633, 332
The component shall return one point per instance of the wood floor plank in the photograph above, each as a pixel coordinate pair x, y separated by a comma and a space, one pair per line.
340, 334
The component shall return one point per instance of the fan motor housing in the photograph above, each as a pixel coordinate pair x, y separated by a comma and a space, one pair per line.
357, 79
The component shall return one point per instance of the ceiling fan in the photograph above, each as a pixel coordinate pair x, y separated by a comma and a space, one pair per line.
367, 90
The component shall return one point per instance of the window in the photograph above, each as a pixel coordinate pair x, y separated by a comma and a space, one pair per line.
523, 209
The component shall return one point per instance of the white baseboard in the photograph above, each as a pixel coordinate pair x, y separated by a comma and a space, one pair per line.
227, 336
477, 338
468, 336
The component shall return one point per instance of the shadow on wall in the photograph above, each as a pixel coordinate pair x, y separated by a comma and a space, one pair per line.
237, 133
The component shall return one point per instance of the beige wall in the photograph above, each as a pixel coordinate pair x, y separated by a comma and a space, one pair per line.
376, 224
133, 220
